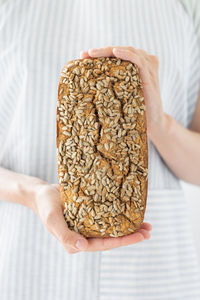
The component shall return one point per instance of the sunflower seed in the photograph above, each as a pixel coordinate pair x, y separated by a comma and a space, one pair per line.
101, 142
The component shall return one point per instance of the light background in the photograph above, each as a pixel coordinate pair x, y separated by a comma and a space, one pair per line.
192, 193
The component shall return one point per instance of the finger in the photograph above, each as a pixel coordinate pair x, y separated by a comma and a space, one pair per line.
70, 250
56, 224
57, 186
145, 233
141, 51
146, 226
140, 61
100, 244
107, 51
84, 54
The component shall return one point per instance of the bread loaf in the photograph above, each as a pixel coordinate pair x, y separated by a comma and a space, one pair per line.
102, 149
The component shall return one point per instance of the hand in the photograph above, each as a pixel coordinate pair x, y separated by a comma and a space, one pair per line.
48, 207
148, 69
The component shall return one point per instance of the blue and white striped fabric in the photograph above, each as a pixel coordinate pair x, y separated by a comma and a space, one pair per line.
36, 39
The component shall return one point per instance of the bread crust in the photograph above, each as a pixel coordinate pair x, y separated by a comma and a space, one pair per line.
102, 149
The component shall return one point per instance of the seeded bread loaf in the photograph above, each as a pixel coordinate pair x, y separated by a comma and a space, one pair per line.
102, 148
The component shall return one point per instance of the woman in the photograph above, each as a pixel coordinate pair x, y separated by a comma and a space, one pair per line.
38, 38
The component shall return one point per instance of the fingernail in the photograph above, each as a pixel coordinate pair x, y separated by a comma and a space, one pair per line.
81, 244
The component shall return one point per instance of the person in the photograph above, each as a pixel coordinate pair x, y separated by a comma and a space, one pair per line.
36, 247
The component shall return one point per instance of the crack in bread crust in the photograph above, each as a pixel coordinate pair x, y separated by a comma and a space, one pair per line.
101, 150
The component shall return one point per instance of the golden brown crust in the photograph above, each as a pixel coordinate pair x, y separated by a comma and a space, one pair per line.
102, 148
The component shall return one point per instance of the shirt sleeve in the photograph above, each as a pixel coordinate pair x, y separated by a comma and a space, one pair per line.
192, 28
192, 7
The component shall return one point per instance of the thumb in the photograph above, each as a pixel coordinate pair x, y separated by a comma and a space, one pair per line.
57, 186
57, 225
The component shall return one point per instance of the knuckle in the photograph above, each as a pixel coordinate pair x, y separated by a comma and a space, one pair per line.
142, 60
131, 48
64, 239
142, 51
71, 251
42, 190
154, 59
48, 217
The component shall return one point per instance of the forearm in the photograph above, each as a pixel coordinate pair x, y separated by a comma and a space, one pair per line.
18, 188
179, 147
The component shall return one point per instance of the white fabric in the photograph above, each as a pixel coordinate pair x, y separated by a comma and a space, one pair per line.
34, 265
162, 268
36, 39
192, 8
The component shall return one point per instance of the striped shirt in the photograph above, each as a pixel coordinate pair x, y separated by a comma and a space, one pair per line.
36, 39
192, 8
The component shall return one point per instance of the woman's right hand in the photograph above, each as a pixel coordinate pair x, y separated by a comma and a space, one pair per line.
44, 199
47, 206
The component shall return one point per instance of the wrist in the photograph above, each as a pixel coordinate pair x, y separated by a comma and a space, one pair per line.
160, 130
27, 189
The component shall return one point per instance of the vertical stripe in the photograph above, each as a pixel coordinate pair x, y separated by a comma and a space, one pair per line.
37, 39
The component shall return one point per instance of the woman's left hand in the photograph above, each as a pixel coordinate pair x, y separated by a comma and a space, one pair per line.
148, 69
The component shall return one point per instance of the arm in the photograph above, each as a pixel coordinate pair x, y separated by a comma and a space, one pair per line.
179, 146
44, 199
18, 188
